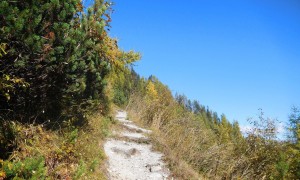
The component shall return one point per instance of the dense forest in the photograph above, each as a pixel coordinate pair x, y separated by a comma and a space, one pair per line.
62, 76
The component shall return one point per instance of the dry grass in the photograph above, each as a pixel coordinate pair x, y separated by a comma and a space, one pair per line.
173, 149
179, 168
66, 154
90, 146
191, 149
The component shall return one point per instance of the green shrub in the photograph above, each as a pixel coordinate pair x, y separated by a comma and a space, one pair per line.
80, 170
119, 97
29, 168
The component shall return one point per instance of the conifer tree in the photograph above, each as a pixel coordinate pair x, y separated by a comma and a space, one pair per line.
61, 53
36, 33
196, 107
294, 125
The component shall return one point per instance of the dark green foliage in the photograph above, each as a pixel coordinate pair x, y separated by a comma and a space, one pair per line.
292, 157
282, 167
60, 52
8, 134
294, 125
54, 65
54, 62
124, 83
29, 168
119, 97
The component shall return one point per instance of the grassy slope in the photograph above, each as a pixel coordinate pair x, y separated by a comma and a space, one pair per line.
58, 154
180, 168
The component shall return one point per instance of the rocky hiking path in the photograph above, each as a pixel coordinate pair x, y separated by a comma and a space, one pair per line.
130, 154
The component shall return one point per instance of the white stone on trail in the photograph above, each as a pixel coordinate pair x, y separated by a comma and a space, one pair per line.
133, 135
130, 160
136, 128
121, 116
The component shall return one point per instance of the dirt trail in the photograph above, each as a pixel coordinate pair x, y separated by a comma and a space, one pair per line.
130, 154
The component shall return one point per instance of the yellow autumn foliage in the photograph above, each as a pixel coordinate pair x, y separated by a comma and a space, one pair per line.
117, 57
2, 175
151, 91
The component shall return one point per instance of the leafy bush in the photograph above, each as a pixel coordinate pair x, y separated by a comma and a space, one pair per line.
29, 168
119, 97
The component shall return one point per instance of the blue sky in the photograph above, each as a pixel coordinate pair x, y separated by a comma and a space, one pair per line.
233, 56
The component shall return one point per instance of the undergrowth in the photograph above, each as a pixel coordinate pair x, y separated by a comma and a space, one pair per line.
196, 147
38, 153
179, 168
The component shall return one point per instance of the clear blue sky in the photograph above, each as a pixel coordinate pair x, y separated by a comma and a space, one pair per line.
233, 56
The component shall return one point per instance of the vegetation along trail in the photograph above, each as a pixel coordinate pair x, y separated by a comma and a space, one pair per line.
130, 155
62, 77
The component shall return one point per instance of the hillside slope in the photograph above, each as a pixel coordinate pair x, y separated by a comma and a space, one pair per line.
61, 75
198, 142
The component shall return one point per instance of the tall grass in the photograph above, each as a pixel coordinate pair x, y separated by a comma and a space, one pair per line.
193, 149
